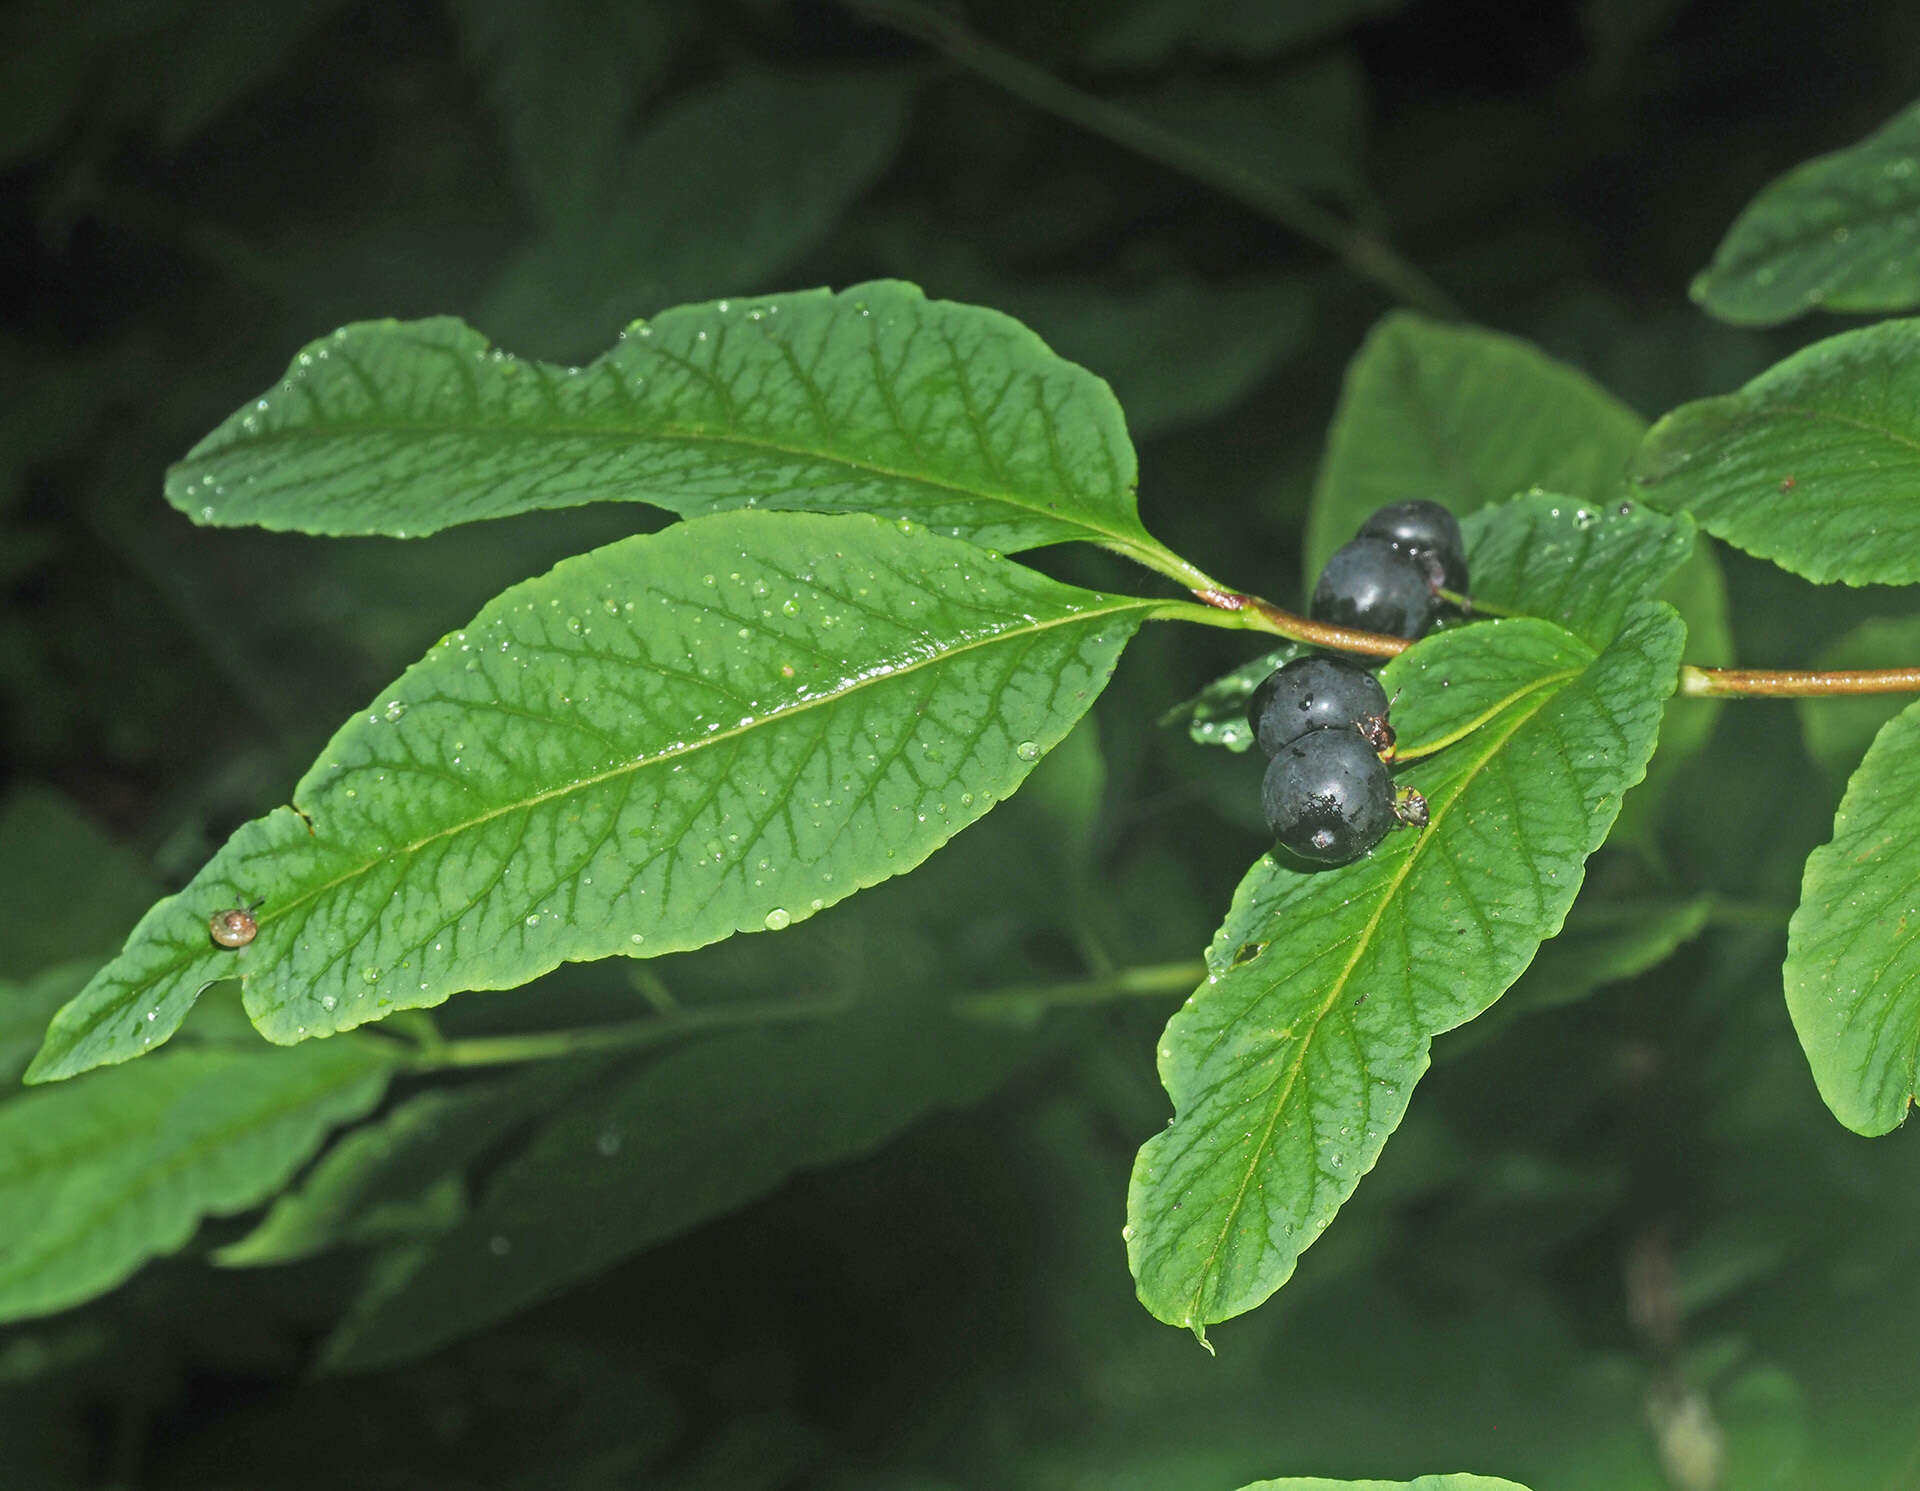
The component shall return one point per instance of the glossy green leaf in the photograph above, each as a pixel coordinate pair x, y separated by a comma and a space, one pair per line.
872, 400
646, 232
1581, 565
1812, 465
690, 1136
1463, 417
1418, 1483
1288, 1068
1839, 728
389, 1164
722, 727
1853, 947
98, 1176
1839, 233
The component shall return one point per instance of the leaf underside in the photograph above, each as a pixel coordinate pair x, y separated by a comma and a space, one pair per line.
722, 727
874, 399
1812, 465
1853, 947
1290, 1066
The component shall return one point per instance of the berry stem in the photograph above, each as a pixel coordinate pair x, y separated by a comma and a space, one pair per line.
1794, 683
1255, 614
1471, 606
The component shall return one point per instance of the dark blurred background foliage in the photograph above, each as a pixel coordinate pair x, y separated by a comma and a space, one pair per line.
1610, 1233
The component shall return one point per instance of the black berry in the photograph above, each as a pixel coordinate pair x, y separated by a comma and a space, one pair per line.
1428, 531
1316, 693
1374, 586
1328, 797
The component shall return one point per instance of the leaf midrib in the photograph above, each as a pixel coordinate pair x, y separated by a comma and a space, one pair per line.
629, 437
169, 969
1209, 1268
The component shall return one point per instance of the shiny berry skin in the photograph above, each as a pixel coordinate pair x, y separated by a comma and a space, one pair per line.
234, 927
1376, 587
1316, 693
1425, 529
1328, 797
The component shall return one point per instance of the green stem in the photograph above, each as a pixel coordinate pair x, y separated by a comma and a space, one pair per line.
1241, 612
627, 1035
1762, 916
1794, 683
1152, 981
1162, 560
1366, 255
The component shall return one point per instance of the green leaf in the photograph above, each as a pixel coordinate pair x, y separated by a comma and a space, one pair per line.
99, 1176
691, 1136
1839, 728
1812, 465
1853, 946
1288, 1068
1462, 417
722, 727
1839, 233
873, 400
661, 229
422, 1142
1418, 1483
1580, 565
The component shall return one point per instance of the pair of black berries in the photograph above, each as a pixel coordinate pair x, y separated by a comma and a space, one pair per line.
1322, 721
1327, 795
1390, 577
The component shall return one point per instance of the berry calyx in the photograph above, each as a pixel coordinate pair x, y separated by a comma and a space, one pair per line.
1318, 693
1328, 797
1374, 586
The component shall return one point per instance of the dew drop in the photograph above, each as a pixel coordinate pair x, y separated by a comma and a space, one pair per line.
1027, 750
369, 975
779, 919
